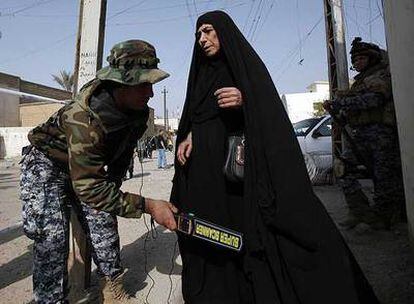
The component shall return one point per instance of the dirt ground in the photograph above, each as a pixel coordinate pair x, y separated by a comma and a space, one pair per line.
385, 256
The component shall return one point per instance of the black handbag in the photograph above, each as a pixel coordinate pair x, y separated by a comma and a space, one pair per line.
234, 166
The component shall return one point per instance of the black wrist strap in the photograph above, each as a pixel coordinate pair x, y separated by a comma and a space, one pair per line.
142, 203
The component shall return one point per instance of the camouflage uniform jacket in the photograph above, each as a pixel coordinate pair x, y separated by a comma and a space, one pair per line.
370, 98
94, 142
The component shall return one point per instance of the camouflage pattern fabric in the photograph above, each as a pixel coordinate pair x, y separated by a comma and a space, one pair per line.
380, 145
368, 108
132, 62
369, 100
46, 196
94, 150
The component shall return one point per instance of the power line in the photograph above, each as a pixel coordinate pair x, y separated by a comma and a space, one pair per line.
258, 20
27, 8
298, 28
254, 18
189, 13
266, 17
125, 10
170, 19
292, 53
130, 11
195, 6
248, 16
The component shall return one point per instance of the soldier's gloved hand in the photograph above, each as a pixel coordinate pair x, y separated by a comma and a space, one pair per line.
327, 105
162, 212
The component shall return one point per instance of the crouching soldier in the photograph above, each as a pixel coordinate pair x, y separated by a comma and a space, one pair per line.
78, 158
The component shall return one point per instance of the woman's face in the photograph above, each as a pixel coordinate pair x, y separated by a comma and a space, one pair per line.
208, 40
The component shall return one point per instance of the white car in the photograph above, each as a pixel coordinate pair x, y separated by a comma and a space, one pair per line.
315, 139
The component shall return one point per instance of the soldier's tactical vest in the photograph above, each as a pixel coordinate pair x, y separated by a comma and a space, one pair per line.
375, 80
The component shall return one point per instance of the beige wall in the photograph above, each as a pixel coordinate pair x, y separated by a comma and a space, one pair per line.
399, 21
33, 114
9, 110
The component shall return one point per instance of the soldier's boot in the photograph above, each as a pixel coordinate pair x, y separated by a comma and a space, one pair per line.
358, 205
113, 291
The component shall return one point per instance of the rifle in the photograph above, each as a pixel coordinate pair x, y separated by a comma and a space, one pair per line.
341, 121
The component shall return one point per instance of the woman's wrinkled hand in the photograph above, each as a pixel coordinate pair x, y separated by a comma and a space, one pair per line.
230, 97
184, 149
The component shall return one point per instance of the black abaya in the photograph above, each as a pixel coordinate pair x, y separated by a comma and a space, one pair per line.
211, 274
292, 252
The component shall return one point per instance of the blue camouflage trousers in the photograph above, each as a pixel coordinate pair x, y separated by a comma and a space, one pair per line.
381, 149
47, 197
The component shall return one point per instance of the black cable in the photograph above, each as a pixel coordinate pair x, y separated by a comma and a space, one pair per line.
171, 271
146, 236
248, 16
146, 261
27, 8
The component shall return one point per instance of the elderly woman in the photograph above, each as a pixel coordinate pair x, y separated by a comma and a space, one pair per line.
292, 251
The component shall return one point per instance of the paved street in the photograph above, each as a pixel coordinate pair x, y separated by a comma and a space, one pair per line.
385, 256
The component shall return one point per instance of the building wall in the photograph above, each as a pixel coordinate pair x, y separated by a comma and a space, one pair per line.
172, 123
10, 105
399, 21
9, 110
299, 106
33, 114
12, 140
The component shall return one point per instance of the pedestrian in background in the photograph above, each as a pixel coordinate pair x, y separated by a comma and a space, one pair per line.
161, 145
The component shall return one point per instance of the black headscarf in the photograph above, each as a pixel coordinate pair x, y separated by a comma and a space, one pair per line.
282, 216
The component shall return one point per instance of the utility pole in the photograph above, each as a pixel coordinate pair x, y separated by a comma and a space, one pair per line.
88, 59
337, 63
164, 92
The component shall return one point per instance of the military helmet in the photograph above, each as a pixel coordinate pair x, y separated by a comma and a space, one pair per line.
132, 62
360, 48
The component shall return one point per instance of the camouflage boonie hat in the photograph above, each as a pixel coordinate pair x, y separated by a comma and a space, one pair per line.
132, 62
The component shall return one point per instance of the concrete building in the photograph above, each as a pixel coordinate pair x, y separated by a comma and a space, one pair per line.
172, 123
300, 106
31, 104
399, 26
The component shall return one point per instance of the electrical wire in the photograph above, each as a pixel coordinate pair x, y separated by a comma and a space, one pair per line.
195, 6
189, 13
292, 53
248, 16
152, 233
265, 19
123, 11
147, 236
258, 20
27, 8
254, 18
168, 19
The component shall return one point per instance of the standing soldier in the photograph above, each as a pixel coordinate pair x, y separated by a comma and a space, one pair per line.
78, 158
368, 109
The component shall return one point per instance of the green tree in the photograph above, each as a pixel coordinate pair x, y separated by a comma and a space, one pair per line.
318, 109
65, 80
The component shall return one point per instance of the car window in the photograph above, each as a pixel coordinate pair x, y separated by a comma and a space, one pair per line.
303, 127
325, 129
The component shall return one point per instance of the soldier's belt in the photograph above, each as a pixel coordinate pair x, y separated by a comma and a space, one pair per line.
201, 229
